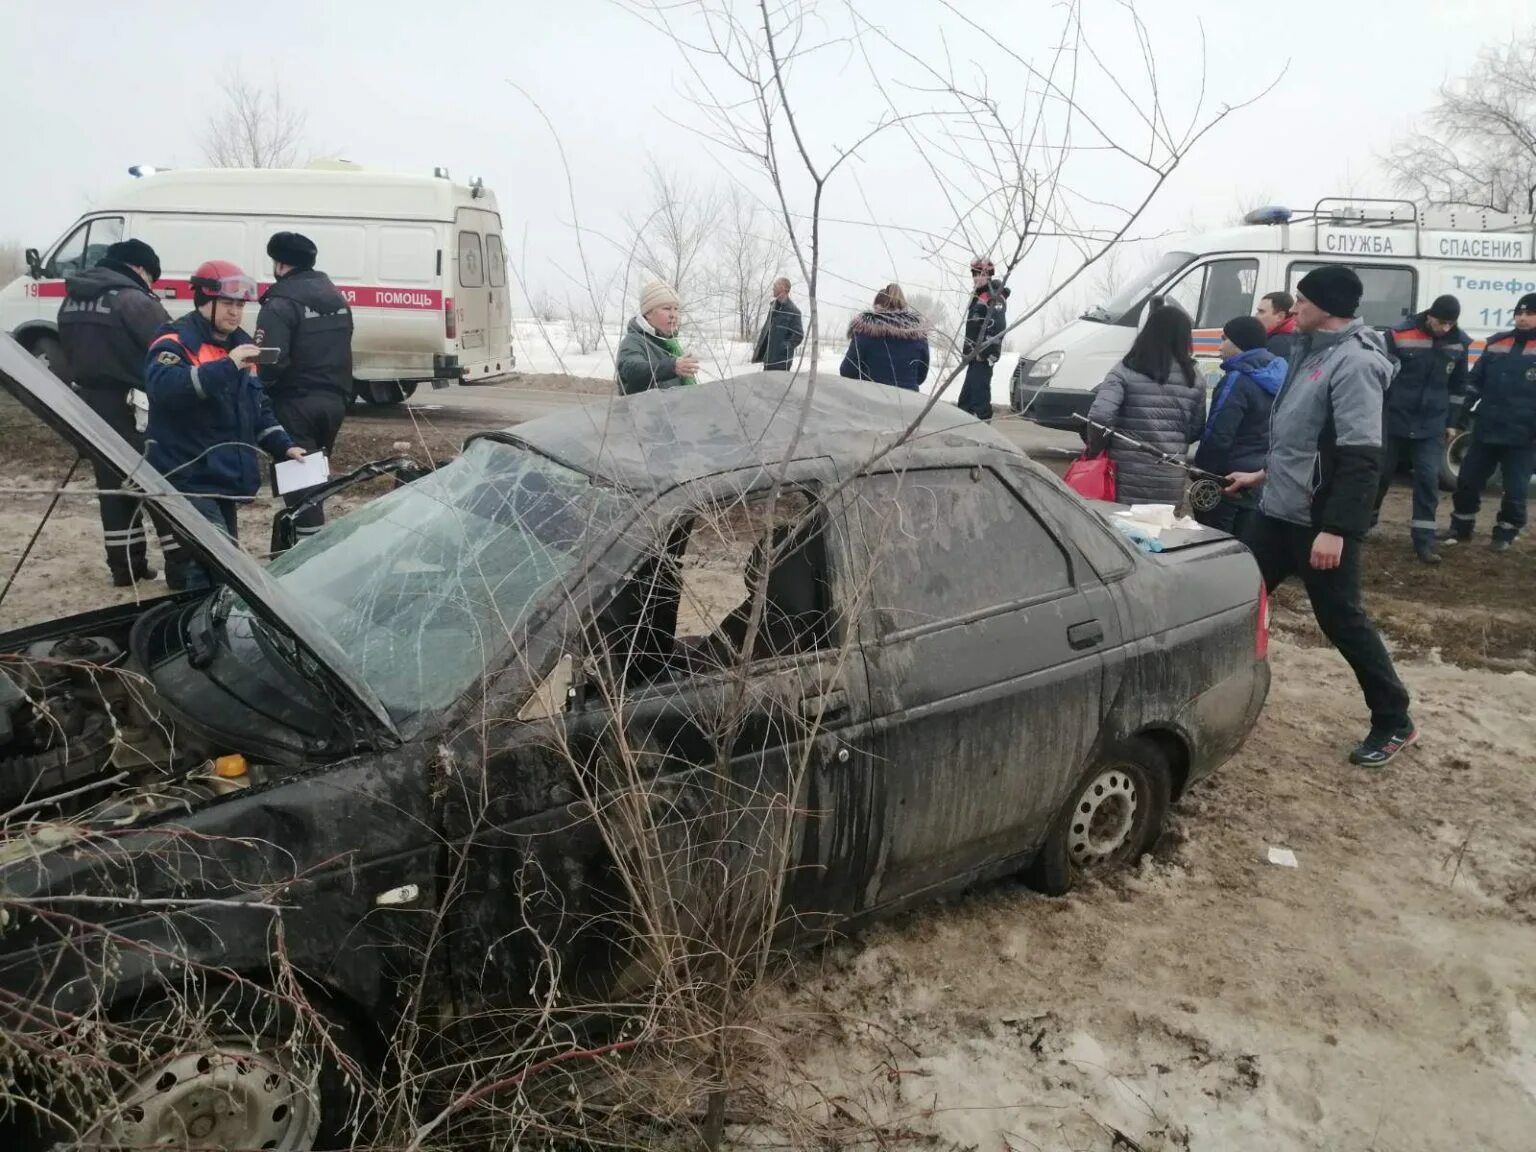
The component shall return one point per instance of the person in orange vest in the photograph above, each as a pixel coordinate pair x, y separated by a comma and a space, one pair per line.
208, 411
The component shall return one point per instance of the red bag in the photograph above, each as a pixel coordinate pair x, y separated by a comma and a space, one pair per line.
1092, 477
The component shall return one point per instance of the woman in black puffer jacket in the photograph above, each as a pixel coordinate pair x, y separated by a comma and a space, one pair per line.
1155, 394
888, 344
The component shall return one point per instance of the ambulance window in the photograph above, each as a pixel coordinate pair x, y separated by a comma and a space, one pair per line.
1214, 292
471, 272
495, 261
1388, 293
85, 246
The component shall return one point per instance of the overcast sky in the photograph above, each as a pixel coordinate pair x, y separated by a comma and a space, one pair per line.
94, 86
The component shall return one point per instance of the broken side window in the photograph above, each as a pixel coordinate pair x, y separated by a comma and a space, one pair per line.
687, 608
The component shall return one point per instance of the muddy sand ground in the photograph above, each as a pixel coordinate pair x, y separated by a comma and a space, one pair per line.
1379, 996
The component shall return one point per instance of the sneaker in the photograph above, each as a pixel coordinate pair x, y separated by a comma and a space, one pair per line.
121, 579
1501, 545
1382, 744
1427, 554
1449, 539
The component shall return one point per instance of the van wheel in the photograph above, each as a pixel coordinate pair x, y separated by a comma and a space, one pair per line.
382, 393
238, 1072
1115, 815
50, 352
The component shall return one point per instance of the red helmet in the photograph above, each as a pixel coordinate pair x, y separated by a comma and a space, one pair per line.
982, 264
223, 280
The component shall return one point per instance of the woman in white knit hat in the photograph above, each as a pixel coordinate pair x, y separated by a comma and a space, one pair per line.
650, 355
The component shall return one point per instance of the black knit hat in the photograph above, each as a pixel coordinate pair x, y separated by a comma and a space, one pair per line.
1526, 303
292, 248
1333, 288
1247, 332
135, 254
1446, 309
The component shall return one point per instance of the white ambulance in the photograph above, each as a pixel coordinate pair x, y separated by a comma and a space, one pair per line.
420, 257
1405, 259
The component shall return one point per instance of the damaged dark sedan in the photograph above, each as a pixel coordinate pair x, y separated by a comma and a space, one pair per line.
434, 754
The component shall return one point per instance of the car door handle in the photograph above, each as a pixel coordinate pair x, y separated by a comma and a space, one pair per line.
827, 705
1085, 635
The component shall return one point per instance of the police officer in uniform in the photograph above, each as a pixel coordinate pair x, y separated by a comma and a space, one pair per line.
108, 319
305, 316
985, 320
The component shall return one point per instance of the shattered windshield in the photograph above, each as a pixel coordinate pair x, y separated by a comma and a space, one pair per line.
424, 587
1114, 310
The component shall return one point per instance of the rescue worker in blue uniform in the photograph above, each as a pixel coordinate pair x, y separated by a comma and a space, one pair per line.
1502, 388
207, 411
309, 321
1430, 353
985, 320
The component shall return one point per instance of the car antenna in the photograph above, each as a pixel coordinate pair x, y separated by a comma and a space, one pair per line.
41, 524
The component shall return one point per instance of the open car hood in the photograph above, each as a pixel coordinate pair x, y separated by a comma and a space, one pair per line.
53, 402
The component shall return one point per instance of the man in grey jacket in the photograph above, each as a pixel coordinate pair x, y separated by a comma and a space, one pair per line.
1320, 486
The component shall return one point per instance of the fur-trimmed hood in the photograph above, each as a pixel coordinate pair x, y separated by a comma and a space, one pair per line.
901, 324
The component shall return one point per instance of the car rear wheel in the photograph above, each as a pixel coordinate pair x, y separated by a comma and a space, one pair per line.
1114, 816
240, 1072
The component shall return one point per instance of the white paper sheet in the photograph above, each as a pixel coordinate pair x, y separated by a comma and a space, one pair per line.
1283, 857
293, 475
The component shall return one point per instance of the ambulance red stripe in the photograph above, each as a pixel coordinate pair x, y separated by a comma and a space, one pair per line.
360, 296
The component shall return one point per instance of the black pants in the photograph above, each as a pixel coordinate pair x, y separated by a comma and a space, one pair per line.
1425, 456
122, 517
1477, 468
1231, 516
183, 572
1284, 549
313, 419
976, 392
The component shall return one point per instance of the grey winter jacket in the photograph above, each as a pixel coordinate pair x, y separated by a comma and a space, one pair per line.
1325, 431
643, 362
1169, 417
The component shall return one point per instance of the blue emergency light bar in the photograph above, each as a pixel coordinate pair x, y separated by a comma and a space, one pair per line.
1272, 214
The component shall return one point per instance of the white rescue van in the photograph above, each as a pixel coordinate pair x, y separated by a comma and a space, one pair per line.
420, 258
1405, 258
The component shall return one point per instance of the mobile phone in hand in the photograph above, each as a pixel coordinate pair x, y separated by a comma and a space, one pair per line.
268, 355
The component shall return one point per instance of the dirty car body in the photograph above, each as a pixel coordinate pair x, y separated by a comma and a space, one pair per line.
431, 696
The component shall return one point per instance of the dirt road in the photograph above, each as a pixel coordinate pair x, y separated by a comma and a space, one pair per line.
1381, 995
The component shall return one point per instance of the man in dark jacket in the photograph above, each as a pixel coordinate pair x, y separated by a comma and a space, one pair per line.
985, 320
1274, 312
106, 323
783, 330
1236, 436
1430, 352
1503, 386
310, 323
1319, 482
207, 410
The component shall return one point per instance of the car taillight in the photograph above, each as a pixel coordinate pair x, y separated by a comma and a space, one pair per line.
450, 319
1261, 637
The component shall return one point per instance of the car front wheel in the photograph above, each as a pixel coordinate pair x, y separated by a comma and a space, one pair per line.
1114, 816
240, 1072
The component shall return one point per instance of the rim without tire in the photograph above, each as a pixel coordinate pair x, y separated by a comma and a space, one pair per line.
1100, 834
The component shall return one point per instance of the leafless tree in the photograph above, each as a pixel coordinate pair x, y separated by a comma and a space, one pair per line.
12, 263
751, 255
671, 240
1476, 145
258, 127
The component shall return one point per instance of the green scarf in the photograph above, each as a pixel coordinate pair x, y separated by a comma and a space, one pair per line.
675, 348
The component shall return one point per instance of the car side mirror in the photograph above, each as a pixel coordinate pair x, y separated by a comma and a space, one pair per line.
34, 263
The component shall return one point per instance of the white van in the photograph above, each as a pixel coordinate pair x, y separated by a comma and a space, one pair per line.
420, 258
1405, 259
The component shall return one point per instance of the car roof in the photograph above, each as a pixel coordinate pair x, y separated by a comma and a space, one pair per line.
662, 438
